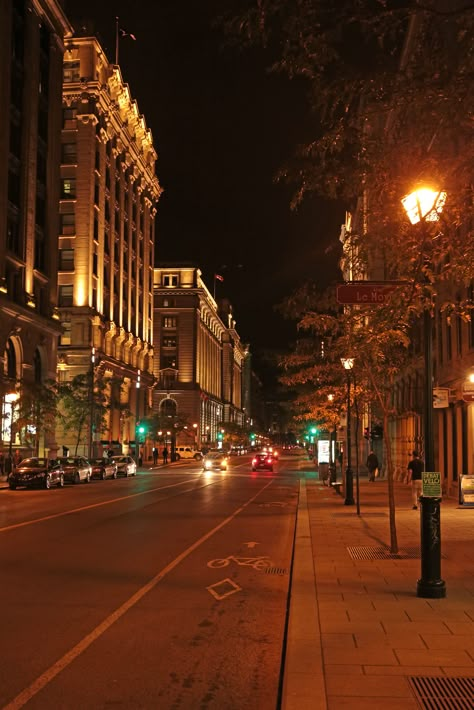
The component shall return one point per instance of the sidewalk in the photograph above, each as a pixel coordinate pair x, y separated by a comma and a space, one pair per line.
358, 635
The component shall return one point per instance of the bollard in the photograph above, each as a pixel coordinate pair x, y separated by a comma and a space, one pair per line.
430, 586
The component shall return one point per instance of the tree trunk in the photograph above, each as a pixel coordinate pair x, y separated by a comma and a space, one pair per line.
391, 488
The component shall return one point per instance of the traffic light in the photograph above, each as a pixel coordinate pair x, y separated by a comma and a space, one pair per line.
377, 432
220, 436
366, 433
314, 430
140, 431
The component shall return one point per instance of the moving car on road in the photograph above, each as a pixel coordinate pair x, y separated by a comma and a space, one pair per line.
103, 467
215, 461
126, 466
37, 472
76, 469
262, 461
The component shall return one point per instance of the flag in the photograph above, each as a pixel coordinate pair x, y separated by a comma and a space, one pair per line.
218, 277
127, 34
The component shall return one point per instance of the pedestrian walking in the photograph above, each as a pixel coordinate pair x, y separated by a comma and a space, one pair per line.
415, 477
372, 465
140, 458
155, 455
165, 455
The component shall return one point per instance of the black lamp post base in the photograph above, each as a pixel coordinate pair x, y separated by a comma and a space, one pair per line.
431, 589
349, 499
430, 585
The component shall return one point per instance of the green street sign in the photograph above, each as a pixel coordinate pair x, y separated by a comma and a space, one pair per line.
431, 484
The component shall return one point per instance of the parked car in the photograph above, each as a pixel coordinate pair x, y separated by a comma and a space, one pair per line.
37, 472
187, 452
262, 461
104, 467
76, 469
126, 466
215, 461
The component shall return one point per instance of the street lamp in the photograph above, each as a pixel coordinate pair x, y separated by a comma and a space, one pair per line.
421, 206
196, 436
348, 364
137, 415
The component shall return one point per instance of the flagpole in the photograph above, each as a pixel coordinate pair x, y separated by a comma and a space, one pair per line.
116, 39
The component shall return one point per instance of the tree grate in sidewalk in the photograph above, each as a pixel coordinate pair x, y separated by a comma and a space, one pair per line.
440, 693
276, 570
383, 553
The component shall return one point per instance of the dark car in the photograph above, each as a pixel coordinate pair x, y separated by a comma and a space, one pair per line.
262, 462
76, 469
37, 472
103, 468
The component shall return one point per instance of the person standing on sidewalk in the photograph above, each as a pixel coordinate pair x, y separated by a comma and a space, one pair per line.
415, 476
165, 456
372, 465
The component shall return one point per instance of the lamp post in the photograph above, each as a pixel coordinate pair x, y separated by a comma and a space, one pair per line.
196, 436
332, 449
137, 415
348, 364
92, 412
421, 206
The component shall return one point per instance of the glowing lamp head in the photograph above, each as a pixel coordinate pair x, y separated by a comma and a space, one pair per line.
424, 205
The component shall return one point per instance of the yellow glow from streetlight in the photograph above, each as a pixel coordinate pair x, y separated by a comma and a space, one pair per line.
471, 377
424, 204
11, 397
347, 362
331, 397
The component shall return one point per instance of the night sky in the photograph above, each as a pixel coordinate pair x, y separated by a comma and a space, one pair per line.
222, 125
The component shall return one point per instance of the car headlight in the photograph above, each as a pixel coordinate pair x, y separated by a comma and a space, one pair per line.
208, 464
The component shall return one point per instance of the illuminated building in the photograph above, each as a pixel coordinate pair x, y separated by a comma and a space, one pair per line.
199, 359
109, 192
31, 56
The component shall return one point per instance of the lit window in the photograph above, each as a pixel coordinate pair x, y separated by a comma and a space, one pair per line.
65, 337
68, 188
65, 296
66, 260
169, 322
170, 280
71, 71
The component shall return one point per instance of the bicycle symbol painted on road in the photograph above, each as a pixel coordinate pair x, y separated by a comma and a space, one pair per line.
258, 563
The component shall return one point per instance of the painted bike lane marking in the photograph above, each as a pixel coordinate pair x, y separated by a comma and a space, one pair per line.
42, 681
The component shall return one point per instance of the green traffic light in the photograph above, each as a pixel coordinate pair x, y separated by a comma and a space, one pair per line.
313, 430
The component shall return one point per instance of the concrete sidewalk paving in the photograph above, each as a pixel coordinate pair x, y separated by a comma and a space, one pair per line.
357, 631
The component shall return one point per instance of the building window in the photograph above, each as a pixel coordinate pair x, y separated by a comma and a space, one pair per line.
170, 280
69, 153
69, 118
66, 260
71, 71
169, 341
169, 321
65, 337
67, 223
65, 296
68, 188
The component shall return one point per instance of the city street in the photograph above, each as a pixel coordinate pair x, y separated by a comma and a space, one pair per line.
166, 590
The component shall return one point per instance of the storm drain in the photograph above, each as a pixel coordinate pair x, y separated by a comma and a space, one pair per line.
441, 693
383, 553
276, 570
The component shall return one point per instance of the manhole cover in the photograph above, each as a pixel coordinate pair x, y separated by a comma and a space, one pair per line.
441, 693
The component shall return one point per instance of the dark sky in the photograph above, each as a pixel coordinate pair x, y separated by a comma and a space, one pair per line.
222, 125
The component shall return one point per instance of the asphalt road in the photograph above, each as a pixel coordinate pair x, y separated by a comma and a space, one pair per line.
168, 590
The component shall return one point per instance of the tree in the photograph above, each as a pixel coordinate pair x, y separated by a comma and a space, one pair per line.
36, 411
83, 407
380, 344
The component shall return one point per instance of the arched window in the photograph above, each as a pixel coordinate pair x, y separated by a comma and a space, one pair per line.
168, 408
10, 360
